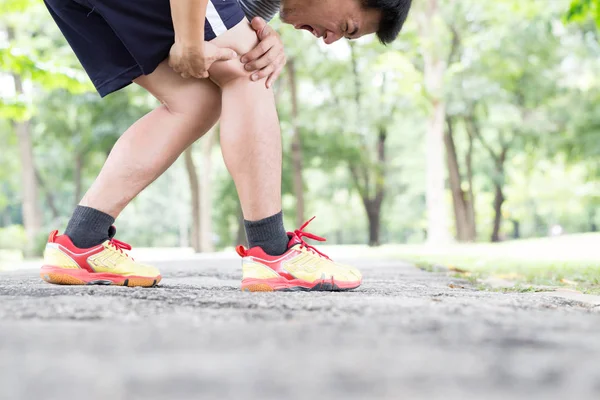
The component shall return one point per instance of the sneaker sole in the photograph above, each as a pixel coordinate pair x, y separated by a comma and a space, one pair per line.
297, 285
66, 276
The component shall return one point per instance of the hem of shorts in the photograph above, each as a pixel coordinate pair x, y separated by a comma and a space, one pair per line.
149, 67
123, 79
120, 81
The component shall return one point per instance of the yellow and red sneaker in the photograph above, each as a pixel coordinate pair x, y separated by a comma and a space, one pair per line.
105, 264
301, 268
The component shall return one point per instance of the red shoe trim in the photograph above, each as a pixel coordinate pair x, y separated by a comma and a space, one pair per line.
78, 255
282, 283
52, 236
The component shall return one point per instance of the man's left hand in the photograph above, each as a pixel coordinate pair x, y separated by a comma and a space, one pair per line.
267, 59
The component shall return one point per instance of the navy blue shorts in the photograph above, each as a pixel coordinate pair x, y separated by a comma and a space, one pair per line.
117, 41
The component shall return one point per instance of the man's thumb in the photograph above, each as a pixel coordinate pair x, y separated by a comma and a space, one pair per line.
226, 54
258, 24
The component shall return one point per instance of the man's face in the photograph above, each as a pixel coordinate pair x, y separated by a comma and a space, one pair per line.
330, 19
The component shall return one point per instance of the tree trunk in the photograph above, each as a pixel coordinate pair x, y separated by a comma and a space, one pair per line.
374, 216
369, 177
373, 201
375, 212
472, 221
455, 179
297, 162
206, 242
516, 229
498, 201
195, 193
437, 224
499, 193
32, 214
434, 70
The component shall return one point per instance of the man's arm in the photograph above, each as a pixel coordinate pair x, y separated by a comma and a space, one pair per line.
188, 21
190, 55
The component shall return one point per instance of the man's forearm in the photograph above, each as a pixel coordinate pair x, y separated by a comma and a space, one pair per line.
188, 20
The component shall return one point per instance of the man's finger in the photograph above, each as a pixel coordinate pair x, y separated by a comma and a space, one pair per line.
263, 73
259, 25
273, 77
200, 75
258, 51
263, 61
224, 54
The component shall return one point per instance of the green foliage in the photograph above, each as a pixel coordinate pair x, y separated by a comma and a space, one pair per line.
13, 6
581, 10
527, 79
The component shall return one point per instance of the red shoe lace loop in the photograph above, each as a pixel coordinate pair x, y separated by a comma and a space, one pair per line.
120, 246
300, 234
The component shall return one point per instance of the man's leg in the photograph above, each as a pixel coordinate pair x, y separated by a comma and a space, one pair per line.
251, 143
190, 107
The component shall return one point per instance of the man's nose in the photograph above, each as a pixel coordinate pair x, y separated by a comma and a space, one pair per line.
331, 37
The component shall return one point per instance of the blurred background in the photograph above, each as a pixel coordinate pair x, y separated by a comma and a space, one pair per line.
480, 124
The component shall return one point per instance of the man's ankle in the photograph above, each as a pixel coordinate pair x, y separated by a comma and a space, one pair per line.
268, 234
88, 227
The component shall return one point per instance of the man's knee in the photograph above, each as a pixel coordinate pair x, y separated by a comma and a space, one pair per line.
224, 73
241, 39
194, 97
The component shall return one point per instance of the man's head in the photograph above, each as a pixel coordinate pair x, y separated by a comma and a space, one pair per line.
335, 19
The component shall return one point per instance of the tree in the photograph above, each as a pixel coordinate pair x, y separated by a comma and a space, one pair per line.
32, 214
462, 200
21, 59
434, 68
200, 189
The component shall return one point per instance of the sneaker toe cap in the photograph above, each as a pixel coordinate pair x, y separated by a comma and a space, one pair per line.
349, 274
147, 271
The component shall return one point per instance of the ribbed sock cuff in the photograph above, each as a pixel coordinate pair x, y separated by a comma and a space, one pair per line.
268, 233
88, 227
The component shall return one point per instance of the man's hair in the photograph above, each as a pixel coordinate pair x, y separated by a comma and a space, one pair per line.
393, 16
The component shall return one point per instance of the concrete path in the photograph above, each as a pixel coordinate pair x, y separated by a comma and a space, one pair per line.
405, 334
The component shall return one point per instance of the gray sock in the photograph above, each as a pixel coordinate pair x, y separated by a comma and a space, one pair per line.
268, 234
88, 227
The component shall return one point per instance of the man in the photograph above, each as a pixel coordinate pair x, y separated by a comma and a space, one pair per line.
204, 62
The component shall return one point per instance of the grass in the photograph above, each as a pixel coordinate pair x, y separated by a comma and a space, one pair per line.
567, 261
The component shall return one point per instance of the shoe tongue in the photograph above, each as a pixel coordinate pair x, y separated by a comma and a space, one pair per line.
294, 240
112, 231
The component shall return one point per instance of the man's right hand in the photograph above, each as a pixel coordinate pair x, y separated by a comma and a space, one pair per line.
195, 61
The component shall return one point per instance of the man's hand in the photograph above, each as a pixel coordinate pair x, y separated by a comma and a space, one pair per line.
195, 61
268, 58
